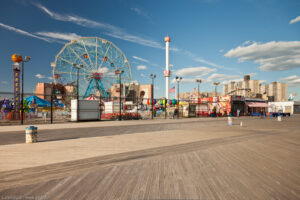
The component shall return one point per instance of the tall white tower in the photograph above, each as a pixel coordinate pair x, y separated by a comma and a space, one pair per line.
167, 72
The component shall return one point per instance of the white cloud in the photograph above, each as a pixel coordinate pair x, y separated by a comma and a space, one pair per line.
141, 67
290, 78
141, 59
171, 65
262, 81
40, 76
155, 65
201, 60
23, 32
194, 71
221, 50
112, 31
297, 19
60, 36
223, 77
231, 80
246, 42
272, 56
292, 81
252, 74
143, 75
135, 39
141, 12
50, 78
75, 19
119, 33
4, 82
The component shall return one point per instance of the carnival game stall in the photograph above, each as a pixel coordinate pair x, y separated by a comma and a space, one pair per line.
224, 104
238, 105
256, 107
188, 109
202, 107
281, 108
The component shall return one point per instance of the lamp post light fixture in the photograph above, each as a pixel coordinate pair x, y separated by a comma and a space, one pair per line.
78, 67
53, 65
118, 72
216, 87
27, 59
153, 76
178, 79
199, 81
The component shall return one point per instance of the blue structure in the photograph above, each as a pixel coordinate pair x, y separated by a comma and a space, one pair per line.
95, 85
36, 100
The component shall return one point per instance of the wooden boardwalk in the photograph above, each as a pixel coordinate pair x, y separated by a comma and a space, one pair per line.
257, 165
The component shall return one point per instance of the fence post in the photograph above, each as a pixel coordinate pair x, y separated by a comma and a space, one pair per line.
100, 103
137, 108
166, 108
51, 110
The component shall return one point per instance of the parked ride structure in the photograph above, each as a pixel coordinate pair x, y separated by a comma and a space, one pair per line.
100, 59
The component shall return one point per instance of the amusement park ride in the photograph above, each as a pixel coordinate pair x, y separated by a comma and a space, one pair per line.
99, 59
19, 61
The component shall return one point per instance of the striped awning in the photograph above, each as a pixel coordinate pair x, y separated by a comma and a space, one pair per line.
257, 104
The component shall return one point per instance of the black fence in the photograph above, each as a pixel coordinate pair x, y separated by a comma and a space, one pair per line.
41, 108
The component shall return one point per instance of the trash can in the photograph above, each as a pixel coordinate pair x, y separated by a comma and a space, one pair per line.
31, 134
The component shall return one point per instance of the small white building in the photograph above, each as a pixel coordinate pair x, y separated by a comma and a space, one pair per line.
283, 107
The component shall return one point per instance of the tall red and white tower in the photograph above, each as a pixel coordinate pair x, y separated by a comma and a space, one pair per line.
167, 72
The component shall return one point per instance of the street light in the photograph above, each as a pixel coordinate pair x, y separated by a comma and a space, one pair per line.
178, 79
216, 85
199, 81
77, 86
118, 72
27, 59
153, 76
53, 65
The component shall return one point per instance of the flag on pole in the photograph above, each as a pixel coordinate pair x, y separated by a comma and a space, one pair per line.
172, 90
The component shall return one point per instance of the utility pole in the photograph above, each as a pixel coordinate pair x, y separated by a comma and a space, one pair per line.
178, 79
153, 76
118, 72
199, 81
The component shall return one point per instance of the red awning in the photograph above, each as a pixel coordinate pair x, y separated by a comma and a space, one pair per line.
257, 104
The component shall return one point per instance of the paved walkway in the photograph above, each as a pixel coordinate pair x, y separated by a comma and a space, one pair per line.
99, 124
18, 156
257, 161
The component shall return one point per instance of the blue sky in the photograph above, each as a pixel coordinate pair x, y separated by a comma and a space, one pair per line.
215, 40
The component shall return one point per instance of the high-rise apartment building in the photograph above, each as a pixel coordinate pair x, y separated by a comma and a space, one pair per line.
252, 88
225, 89
281, 92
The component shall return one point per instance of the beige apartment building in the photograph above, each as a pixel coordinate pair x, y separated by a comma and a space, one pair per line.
252, 89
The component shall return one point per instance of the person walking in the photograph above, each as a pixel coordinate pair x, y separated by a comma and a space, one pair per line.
238, 113
175, 113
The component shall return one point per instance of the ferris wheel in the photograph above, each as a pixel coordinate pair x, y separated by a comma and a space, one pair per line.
95, 62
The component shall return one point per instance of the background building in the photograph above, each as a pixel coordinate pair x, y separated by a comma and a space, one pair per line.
43, 90
194, 95
253, 89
